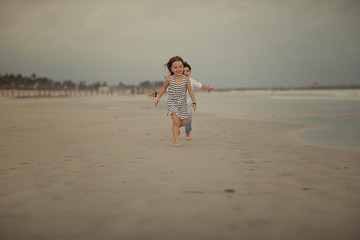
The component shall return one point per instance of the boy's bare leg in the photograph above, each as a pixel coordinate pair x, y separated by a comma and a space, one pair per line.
188, 136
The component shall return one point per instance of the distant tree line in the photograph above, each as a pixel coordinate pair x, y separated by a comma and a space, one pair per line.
33, 82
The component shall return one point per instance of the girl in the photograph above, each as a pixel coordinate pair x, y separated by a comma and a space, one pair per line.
178, 84
194, 84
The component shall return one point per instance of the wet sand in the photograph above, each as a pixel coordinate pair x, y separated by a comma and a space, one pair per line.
104, 168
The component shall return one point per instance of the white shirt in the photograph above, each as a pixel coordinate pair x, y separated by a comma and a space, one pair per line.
194, 84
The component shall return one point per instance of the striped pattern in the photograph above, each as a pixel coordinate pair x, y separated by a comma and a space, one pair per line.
176, 102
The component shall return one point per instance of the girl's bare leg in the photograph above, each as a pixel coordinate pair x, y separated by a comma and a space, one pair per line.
175, 129
182, 123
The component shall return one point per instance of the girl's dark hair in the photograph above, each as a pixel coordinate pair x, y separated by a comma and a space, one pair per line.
187, 65
171, 61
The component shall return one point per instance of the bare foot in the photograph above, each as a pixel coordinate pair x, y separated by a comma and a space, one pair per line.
177, 145
188, 136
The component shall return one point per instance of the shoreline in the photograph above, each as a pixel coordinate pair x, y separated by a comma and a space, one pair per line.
105, 168
52, 93
335, 128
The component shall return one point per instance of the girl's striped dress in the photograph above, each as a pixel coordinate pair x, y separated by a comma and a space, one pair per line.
176, 102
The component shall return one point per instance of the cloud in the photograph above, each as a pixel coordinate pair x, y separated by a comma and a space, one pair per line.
243, 43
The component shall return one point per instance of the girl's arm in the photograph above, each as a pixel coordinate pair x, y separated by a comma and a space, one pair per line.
162, 90
191, 93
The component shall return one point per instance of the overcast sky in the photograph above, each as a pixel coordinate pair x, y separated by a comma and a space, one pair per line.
229, 43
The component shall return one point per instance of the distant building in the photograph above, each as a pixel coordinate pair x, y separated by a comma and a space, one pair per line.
104, 89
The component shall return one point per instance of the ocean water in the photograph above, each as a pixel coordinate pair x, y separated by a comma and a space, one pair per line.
336, 113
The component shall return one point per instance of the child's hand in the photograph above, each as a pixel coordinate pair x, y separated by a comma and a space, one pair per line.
210, 88
157, 102
151, 95
194, 106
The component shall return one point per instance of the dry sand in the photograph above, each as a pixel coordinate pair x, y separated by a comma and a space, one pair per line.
104, 168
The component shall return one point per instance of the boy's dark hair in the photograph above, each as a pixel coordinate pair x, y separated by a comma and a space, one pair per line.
187, 65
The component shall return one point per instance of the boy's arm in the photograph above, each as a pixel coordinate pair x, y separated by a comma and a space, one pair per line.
154, 94
200, 85
209, 89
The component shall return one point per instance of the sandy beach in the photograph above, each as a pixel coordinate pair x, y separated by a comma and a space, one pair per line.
104, 168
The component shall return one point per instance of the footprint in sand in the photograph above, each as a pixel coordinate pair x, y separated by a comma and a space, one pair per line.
250, 162
307, 188
229, 190
259, 223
